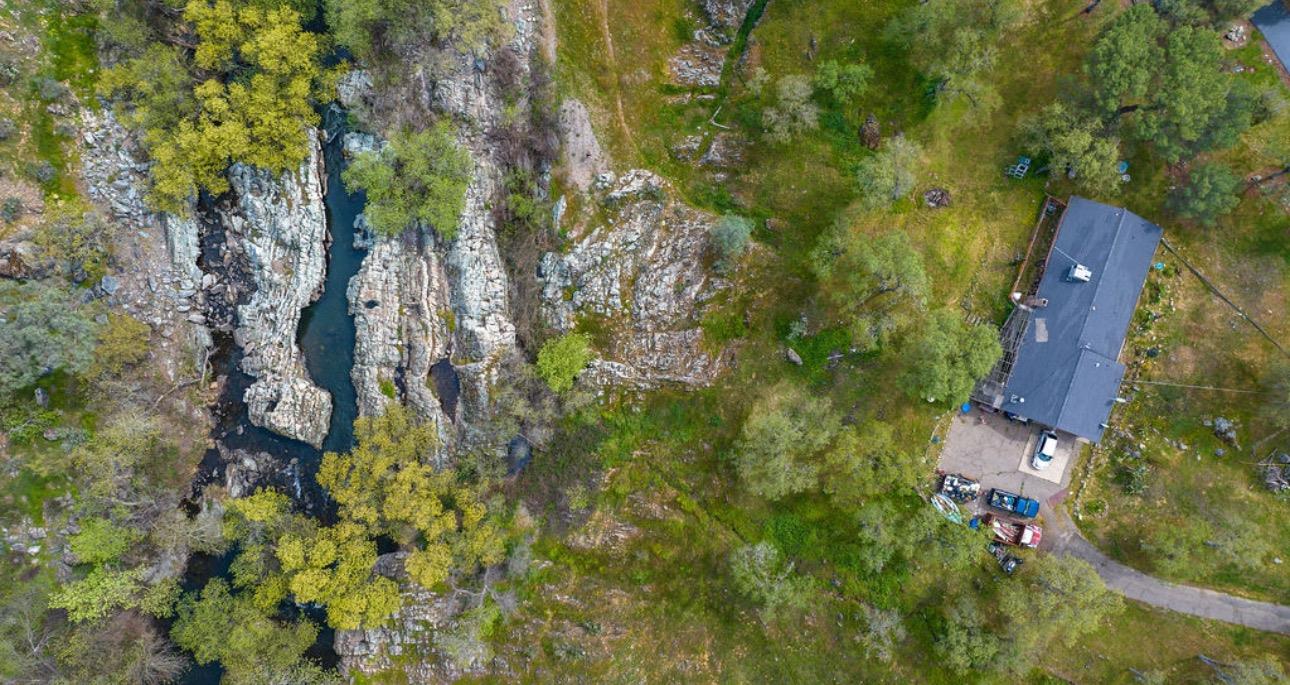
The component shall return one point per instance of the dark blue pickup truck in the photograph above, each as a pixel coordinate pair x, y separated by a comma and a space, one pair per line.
1013, 503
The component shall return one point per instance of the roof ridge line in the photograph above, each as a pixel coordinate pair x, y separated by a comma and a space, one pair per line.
1101, 276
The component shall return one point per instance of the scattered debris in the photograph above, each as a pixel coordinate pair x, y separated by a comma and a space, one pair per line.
937, 198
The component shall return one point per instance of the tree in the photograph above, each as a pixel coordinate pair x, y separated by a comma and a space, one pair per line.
377, 29
784, 431
1055, 599
866, 461
953, 42
1123, 61
246, 94
948, 357
100, 541
876, 284
78, 240
1077, 145
418, 177
965, 644
730, 238
122, 342
1172, 81
883, 629
1210, 192
101, 592
843, 82
252, 648
45, 330
561, 360
764, 576
887, 175
793, 113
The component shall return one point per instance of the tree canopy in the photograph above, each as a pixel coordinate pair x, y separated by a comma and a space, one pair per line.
954, 42
1078, 145
783, 433
245, 94
379, 29
45, 330
1210, 192
418, 177
887, 176
948, 357
878, 285
561, 359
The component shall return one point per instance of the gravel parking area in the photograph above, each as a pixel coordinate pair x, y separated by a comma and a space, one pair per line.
990, 448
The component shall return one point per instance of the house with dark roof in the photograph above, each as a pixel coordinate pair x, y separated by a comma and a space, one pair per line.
1273, 21
1062, 344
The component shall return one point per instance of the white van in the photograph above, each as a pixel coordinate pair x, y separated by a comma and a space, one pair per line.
1044, 451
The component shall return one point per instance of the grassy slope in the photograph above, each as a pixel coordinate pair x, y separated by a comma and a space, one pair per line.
669, 509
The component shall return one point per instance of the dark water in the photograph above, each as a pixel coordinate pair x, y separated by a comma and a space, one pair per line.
326, 338
447, 386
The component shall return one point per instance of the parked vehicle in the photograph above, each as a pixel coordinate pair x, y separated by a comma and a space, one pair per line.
1007, 561
960, 488
1017, 534
1013, 503
1044, 451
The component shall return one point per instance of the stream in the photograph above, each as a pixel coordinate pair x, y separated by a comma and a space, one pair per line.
326, 338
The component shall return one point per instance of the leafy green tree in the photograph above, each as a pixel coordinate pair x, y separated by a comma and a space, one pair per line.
101, 592
252, 648
1172, 81
80, 241
45, 330
954, 42
100, 541
875, 284
1123, 62
376, 29
866, 461
1055, 599
196, 123
965, 644
561, 360
122, 342
418, 177
786, 429
948, 357
1078, 145
843, 82
763, 575
793, 112
888, 175
334, 567
1210, 192
730, 239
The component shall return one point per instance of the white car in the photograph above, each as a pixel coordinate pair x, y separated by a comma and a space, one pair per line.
1044, 451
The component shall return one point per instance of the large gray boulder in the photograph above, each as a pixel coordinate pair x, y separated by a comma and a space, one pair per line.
280, 226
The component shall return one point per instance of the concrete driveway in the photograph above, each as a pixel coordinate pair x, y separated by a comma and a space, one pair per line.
990, 448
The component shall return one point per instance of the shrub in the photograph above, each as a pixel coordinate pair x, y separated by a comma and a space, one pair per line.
888, 175
123, 341
794, 113
730, 238
843, 82
11, 210
561, 360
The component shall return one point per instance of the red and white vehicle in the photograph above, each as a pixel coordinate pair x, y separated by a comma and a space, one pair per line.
1018, 534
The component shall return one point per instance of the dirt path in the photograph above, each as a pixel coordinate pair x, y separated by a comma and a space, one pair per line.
1067, 540
602, 6
547, 34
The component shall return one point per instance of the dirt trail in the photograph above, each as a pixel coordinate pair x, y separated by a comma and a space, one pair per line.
1067, 540
602, 7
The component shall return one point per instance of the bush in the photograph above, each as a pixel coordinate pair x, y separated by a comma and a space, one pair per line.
123, 341
794, 113
418, 177
11, 210
730, 238
44, 332
843, 82
561, 360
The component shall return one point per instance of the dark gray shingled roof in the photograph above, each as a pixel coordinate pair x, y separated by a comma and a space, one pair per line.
1273, 22
1066, 368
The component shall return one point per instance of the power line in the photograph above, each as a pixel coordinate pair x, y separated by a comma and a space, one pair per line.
1196, 387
